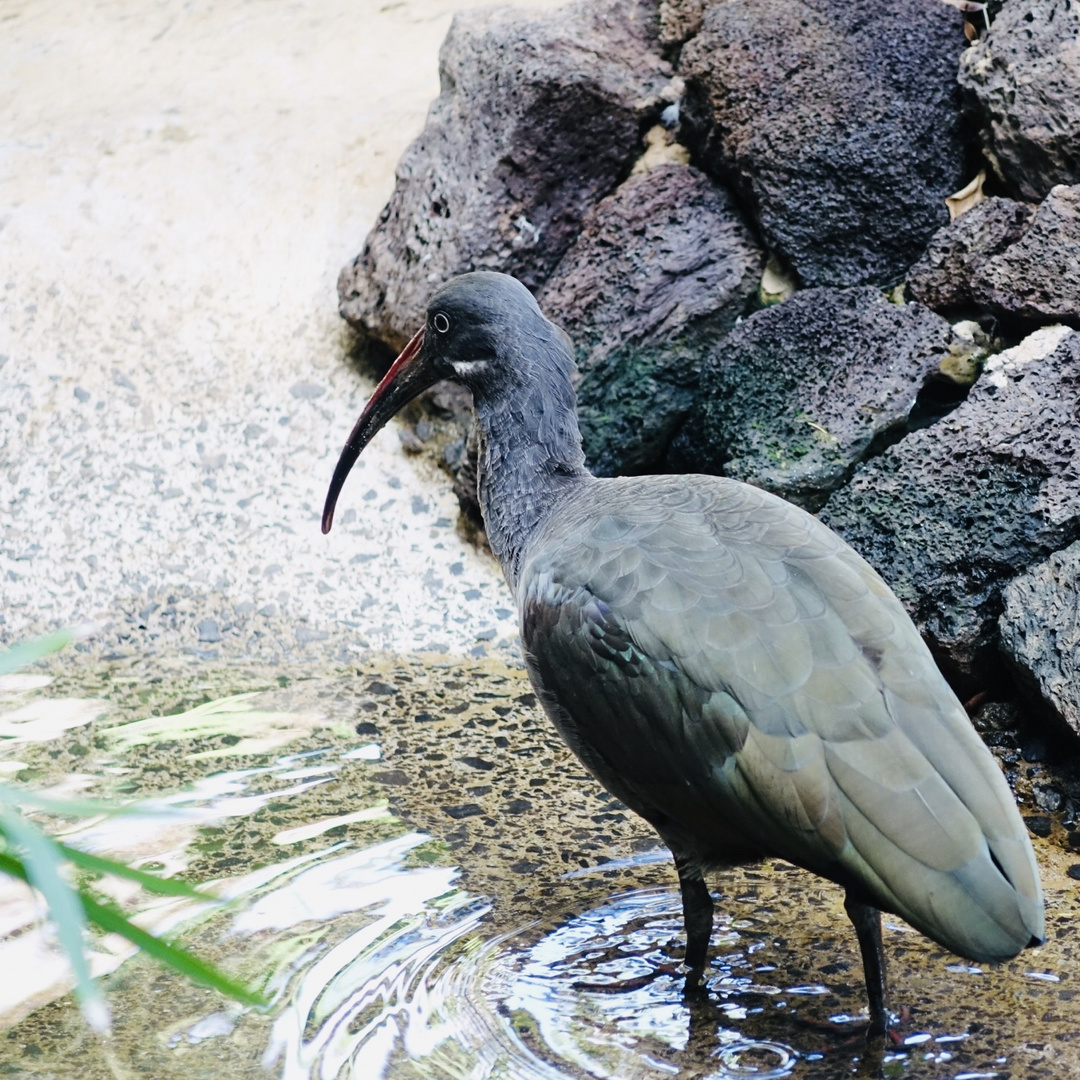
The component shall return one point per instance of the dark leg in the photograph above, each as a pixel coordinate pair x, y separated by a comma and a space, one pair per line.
867, 923
697, 909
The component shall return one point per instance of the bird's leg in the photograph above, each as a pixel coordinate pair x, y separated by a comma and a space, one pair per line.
697, 908
867, 923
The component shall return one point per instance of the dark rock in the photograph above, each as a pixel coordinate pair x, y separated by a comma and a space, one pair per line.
208, 630
307, 391
838, 122
941, 278
482, 764
1047, 798
541, 115
661, 271
1022, 82
1038, 277
998, 722
797, 394
1039, 825
1040, 631
953, 512
465, 480
680, 20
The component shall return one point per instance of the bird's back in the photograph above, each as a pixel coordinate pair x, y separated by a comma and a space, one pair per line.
732, 670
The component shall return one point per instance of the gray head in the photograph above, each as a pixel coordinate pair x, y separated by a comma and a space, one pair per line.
482, 330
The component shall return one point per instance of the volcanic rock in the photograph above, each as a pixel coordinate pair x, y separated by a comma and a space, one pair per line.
540, 116
1038, 277
953, 512
1022, 83
941, 278
680, 20
661, 271
1040, 631
836, 121
799, 393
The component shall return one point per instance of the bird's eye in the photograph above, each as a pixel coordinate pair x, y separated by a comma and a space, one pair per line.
440, 322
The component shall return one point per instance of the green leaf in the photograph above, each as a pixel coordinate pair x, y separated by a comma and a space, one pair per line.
180, 960
165, 886
18, 656
11, 795
41, 868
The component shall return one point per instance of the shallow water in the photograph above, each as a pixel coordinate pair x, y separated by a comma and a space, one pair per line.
428, 885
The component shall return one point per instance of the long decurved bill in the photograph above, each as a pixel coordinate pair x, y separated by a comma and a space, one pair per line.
408, 376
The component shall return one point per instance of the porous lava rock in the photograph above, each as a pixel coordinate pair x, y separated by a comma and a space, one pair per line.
1038, 277
941, 278
836, 121
661, 271
1040, 631
1021, 81
797, 394
540, 115
953, 512
680, 20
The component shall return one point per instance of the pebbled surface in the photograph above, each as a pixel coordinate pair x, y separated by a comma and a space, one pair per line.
175, 382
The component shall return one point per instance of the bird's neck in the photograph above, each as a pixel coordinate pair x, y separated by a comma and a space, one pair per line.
530, 460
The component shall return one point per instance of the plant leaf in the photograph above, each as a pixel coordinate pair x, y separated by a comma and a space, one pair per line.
27, 652
180, 960
41, 868
165, 886
11, 795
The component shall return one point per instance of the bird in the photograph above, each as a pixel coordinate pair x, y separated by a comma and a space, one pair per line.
721, 661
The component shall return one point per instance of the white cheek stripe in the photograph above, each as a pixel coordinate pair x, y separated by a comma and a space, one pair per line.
469, 367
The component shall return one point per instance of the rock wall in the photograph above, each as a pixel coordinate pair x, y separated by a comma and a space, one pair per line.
662, 172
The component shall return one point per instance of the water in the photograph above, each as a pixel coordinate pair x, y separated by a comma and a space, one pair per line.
427, 885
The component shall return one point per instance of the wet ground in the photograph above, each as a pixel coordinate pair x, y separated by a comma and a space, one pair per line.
335, 730
427, 884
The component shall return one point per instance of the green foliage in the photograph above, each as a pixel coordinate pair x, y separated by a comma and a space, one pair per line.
31, 855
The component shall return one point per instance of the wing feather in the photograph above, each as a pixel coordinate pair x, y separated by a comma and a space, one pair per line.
732, 670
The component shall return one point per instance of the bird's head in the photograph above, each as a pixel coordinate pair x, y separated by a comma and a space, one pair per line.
482, 330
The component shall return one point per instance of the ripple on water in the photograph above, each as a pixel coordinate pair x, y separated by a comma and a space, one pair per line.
387, 967
419, 992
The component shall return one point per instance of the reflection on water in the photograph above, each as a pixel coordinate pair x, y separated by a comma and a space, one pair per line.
419, 992
591, 987
364, 881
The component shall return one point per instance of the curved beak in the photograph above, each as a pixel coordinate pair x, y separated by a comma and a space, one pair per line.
408, 376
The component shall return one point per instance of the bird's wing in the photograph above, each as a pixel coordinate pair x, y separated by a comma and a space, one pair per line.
728, 666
